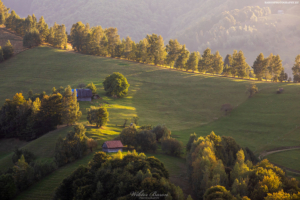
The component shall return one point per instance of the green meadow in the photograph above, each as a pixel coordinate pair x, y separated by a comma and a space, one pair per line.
184, 102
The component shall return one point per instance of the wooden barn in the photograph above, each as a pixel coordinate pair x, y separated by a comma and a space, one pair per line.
112, 146
84, 94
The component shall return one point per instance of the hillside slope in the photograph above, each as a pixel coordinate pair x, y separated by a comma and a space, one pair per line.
197, 23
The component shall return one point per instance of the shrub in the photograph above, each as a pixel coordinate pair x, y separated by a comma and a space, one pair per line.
252, 90
28, 155
116, 84
92, 87
98, 116
171, 146
146, 141
91, 143
190, 142
128, 136
161, 131
8, 50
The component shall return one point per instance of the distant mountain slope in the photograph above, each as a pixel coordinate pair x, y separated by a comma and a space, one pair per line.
222, 25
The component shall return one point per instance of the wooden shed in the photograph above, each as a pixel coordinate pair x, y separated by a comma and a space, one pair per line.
84, 94
112, 146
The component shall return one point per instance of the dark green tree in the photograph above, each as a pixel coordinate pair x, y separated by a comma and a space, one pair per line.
98, 116
92, 87
116, 84
32, 38
217, 65
296, 69
173, 50
182, 58
259, 66
192, 63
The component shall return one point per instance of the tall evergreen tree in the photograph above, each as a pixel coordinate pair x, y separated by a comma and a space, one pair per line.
192, 63
113, 40
141, 54
156, 50
296, 69
217, 65
71, 111
128, 47
42, 26
205, 64
173, 50
259, 66
241, 65
182, 58
77, 36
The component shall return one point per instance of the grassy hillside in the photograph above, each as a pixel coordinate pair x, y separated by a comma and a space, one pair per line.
185, 102
288, 159
192, 22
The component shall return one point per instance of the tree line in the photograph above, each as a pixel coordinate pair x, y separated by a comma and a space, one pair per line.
30, 118
219, 167
151, 49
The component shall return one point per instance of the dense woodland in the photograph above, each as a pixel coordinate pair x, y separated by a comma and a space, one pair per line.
28, 119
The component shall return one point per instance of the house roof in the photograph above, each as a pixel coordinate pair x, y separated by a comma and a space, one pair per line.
114, 144
83, 93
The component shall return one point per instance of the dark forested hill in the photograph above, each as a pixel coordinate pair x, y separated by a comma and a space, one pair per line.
223, 25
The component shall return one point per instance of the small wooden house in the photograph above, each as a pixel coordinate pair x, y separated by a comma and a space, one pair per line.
112, 146
84, 94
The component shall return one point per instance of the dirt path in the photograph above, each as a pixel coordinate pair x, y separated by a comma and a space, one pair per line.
266, 153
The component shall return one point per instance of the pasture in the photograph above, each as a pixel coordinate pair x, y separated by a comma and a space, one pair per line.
184, 102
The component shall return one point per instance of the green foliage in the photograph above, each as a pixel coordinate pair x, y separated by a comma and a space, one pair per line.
146, 141
98, 116
8, 50
252, 90
92, 87
116, 177
71, 110
116, 84
191, 141
171, 146
128, 136
161, 131
7, 187
296, 69
32, 38
28, 155
217, 192
71, 148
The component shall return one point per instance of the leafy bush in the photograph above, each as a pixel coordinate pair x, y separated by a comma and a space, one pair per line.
40, 170
8, 50
171, 146
92, 87
161, 131
91, 143
252, 90
116, 84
